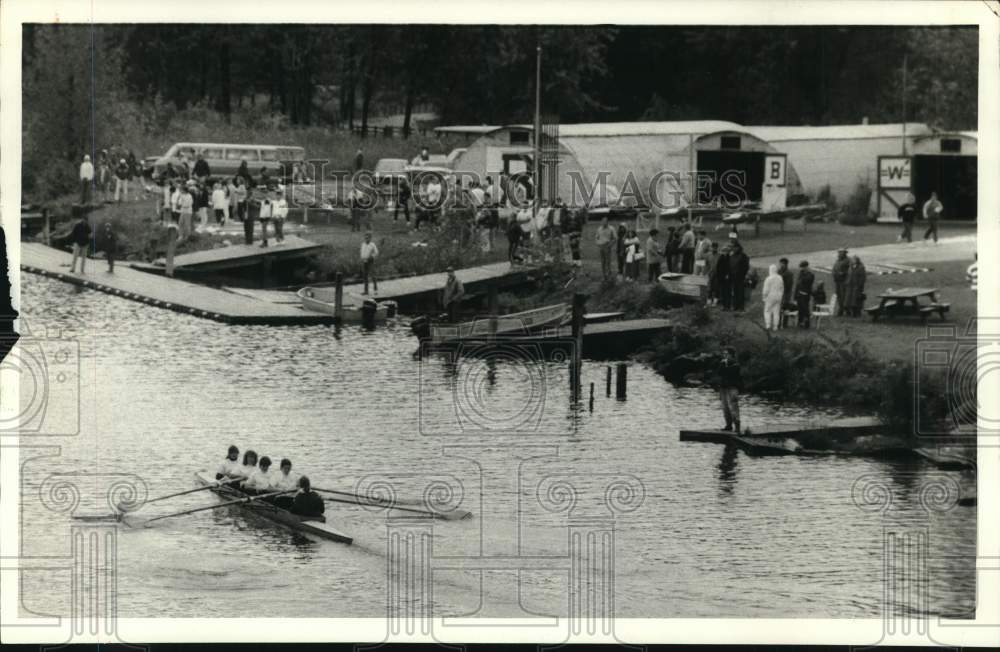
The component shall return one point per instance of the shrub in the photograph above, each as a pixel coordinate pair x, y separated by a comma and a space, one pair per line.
856, 209
825, 196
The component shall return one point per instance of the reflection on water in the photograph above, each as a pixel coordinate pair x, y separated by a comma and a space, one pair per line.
718, 533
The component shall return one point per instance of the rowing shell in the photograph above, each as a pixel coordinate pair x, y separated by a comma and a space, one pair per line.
314, 525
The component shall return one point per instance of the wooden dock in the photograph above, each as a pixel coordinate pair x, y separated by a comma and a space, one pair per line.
164, 292
601, 341
424, 291
242, 255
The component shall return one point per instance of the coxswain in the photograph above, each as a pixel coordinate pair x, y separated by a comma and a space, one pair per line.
259, 481
307, 502
229, 467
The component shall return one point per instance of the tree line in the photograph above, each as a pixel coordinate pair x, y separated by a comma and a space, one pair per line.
86, 83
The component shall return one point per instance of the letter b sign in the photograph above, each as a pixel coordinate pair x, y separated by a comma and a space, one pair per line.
774, 170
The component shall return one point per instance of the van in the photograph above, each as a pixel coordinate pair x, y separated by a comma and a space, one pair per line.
225, 159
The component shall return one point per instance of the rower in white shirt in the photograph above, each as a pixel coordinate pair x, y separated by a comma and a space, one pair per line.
260, 480
249, 466
229, 467
284, 480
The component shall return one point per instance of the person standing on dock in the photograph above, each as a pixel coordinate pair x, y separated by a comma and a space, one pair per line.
787, 302
80, 237
242, 210
701, 250
841, 267
185, 205
712, 271
605, 239
454, 291
219, 204
369, 252
854, 295
730, 382
723, 281
621, 247
110, 246
266, 211
803, 294
513, 240
86, 179
280, 211
687, 246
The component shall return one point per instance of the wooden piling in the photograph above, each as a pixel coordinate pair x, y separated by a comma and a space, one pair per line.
494, 307
621, 383
591, 397
338, 297
579, 309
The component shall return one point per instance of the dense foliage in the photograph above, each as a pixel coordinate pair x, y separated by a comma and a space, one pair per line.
88, 86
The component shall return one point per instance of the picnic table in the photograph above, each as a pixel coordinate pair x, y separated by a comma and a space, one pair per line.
907, 302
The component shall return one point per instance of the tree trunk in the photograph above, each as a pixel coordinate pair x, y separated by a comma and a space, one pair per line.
408, 109
226, 91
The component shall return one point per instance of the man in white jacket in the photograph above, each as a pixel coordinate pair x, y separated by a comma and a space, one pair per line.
774, 290
86, 179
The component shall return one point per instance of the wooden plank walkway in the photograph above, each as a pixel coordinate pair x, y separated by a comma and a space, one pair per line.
164, 292
242, 255
412, 289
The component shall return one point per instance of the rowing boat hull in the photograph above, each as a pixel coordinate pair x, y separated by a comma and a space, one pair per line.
321, 299
315, 527
512, 325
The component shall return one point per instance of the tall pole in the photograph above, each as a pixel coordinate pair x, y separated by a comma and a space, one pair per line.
537, 176
904, 104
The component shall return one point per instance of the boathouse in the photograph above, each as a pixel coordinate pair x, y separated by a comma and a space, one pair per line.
648, 163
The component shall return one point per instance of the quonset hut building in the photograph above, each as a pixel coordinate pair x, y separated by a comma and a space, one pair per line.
643, 162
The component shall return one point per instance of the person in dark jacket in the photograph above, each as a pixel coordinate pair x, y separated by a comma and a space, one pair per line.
840, 269
907, 215
80, 237
110, 246
307, 502
787, 302
854, 299
622, 235
244, 173
803, 293
122, 177
723, 280
739, 267
403, 194
201, 169
730, 383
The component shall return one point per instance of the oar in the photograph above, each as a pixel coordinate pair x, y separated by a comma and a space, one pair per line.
124, 508
454, 515
398, 501
247, 499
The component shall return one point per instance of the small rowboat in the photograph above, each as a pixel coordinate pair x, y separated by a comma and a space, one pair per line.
512, 325
321, 299
314, 525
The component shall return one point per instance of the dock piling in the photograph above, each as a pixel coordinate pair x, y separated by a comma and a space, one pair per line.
608, 382
579, 309
338, 297
591, 397
621, 381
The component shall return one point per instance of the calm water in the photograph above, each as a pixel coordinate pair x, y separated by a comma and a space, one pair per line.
718, 533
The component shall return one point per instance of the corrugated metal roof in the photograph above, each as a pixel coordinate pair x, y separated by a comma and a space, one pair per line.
839, 132
466, 129
695, 127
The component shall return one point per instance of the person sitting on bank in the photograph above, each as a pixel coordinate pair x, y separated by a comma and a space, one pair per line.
454, 291
730, 382
307, 502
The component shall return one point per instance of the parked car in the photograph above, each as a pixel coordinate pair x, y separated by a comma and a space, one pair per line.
225, 159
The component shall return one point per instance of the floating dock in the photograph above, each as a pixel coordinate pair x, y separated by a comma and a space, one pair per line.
242, 255
165, 292
862, 436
